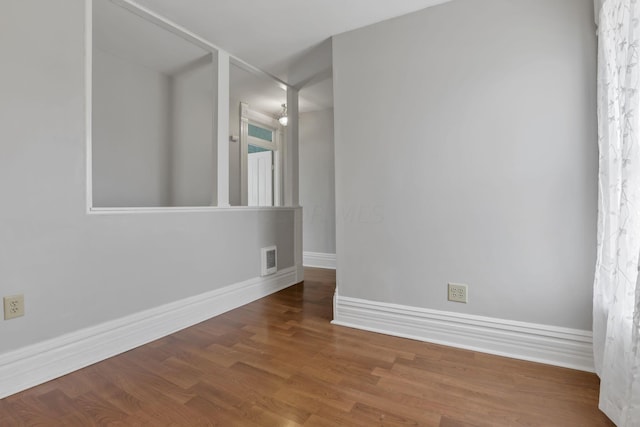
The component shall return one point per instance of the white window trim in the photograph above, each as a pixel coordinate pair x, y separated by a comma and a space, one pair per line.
222, 116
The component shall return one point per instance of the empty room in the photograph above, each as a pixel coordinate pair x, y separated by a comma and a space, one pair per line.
214, 215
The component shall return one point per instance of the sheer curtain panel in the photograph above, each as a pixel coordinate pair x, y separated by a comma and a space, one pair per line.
616, 302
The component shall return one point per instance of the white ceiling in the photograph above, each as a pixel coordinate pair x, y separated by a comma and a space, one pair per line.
268, 34
129, 37
271, 34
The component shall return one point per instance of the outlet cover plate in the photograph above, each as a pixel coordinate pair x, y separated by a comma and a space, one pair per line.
13, 306
458, 292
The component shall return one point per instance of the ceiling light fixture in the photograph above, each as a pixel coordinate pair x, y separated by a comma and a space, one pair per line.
282, 118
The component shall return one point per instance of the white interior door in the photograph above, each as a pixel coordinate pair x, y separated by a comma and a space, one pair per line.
260, 179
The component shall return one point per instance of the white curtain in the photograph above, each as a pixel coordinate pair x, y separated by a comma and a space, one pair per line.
616, 304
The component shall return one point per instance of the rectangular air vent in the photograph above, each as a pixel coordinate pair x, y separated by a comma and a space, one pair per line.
269, 260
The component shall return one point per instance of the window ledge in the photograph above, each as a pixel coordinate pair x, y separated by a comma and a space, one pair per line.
185, 209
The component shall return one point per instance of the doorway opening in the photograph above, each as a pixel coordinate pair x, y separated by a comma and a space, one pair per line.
260, 176
261, 150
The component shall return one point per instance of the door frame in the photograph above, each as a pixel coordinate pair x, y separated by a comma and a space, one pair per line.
249, 116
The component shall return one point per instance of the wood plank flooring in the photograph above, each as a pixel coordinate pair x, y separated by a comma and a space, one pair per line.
279, 362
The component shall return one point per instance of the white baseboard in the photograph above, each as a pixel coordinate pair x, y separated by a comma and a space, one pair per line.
39, 363
570, 348
319, 260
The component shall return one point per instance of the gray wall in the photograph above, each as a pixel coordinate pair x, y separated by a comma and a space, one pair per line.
317, 181
152, 134
193, 159
466, 152
131, 133
235, 193
75, 269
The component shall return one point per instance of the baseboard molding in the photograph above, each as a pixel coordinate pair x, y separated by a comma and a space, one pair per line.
42, 362
319, 260
570, 348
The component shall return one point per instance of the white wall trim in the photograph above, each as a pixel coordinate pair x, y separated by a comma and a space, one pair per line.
162, 22
570, 348
41, 362
319, 260
186, 209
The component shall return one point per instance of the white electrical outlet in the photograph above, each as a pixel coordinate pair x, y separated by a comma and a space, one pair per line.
13, 306
457, 292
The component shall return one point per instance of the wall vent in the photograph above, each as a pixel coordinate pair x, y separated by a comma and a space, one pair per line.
269, 260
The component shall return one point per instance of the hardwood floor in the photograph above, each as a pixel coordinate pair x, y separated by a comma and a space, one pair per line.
279, 362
